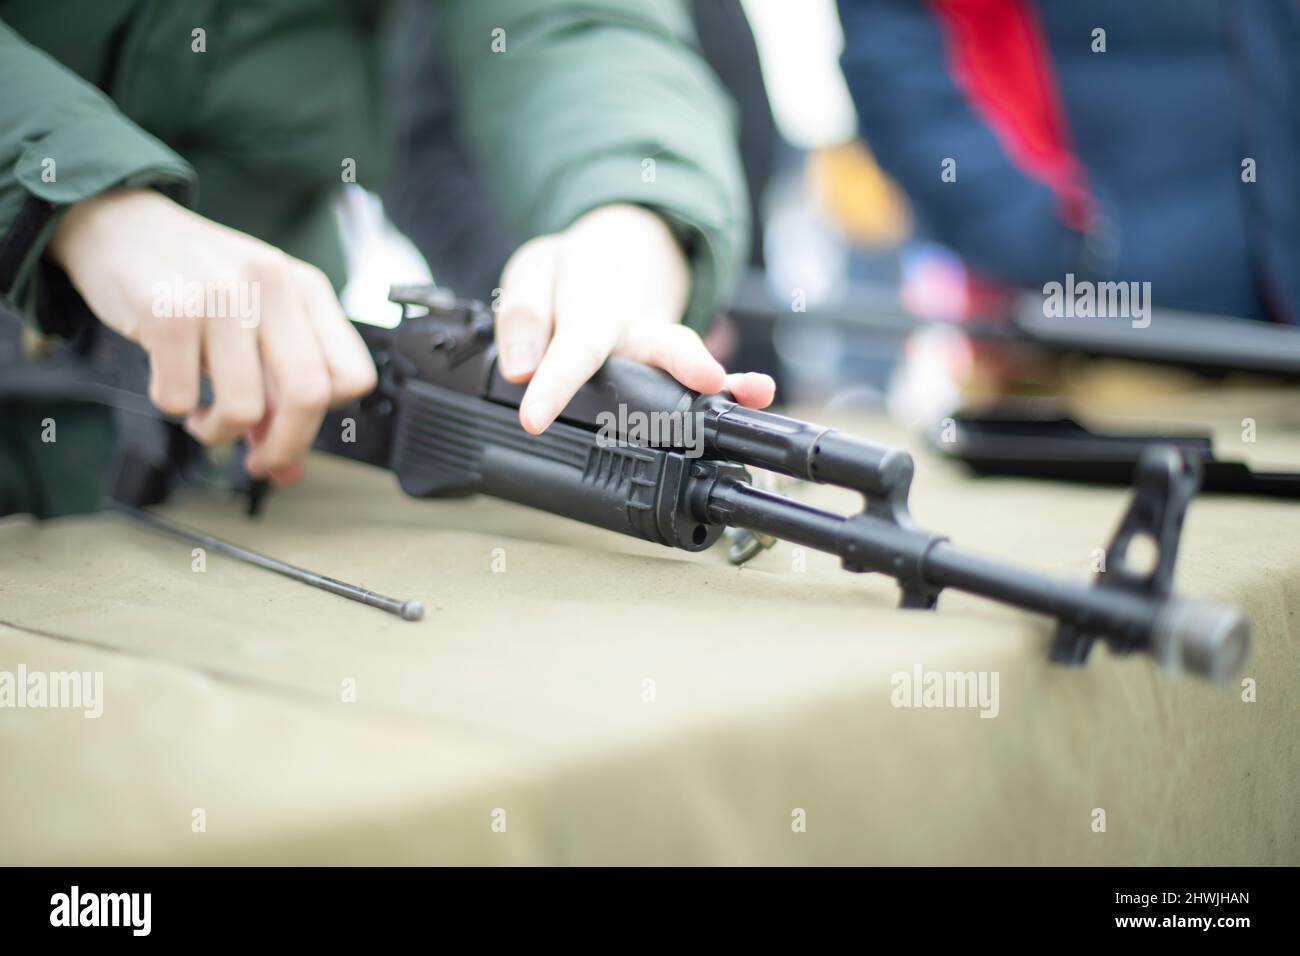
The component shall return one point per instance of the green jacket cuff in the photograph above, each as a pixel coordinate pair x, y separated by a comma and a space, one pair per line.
94, 153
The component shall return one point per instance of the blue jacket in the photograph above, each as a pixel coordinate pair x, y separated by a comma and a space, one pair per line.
1113, 156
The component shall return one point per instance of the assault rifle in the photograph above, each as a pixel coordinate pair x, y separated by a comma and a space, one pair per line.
446, 423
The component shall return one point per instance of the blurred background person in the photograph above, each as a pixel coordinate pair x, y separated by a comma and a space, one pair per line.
1155, 141
1111, 141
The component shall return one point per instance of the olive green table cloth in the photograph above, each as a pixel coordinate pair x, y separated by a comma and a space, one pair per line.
576, 697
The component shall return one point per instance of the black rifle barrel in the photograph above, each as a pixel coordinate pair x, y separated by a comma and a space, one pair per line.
1185, 636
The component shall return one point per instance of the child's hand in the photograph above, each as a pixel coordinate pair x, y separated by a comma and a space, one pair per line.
266, 328
613, 283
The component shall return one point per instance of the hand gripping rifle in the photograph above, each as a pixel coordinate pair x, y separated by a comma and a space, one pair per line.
447, 424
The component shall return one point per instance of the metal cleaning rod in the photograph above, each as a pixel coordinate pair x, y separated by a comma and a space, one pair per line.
406, 610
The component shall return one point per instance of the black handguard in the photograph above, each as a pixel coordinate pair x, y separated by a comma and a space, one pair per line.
447, 424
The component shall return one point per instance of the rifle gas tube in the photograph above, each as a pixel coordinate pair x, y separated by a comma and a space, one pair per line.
447, 424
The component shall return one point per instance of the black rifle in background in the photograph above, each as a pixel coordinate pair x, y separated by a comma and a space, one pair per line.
870, 324
1214, 344
1029, 441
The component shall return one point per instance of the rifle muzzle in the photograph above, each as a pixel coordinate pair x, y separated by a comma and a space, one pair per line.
1207, 640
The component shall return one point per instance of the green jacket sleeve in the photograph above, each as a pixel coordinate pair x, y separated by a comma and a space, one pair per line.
61, 141
573, 104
